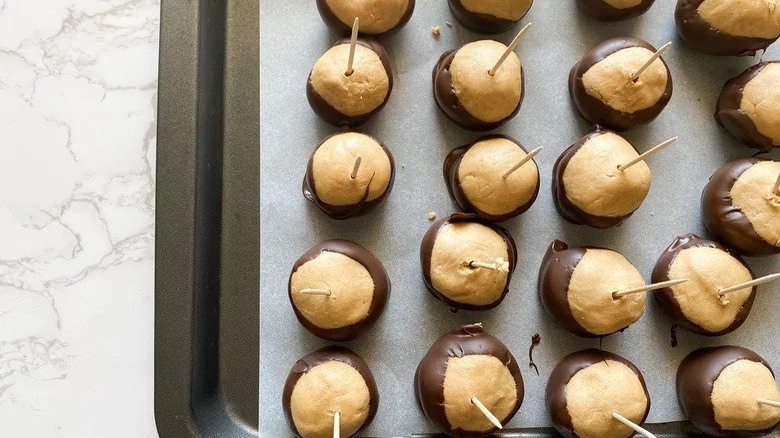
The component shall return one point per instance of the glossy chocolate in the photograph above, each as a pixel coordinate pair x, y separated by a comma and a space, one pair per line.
598, 112
565, 207
448, 101
378, 300
557, 404
725, 221
309, 190
345, 29
481, 23
426, 250
452, 170
603, 11
701, 36
730, 115
429, 377
319, 357
695, 378
665, 299
333, 116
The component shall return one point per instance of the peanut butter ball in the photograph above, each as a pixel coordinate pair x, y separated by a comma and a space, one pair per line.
749, 106
467, 263
338, 289
349, 99
494, 16
377, 17
469, 95
741, 208
330, 380
332, 184
601, 86
588, 186
709, 267
728, 27
587, 387
576, 287
614, 10
475, 176
718, 390
463, 364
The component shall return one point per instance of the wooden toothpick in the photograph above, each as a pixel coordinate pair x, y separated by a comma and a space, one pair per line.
651, 151
483, 265
356, 167
767, 402
337, 424
352, 45
520, 163
324, 292
486, 412
756, 282
647, 288
656, 55
510, 48
637, 428
776, 189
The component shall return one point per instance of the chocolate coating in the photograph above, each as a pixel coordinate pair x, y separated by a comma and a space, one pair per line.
701, 36
562, 375
426, 250
345, 211
603, 11
448, 101
695, 378
344, 29
481, 23
598, 112
665, 299
565, 207
335, 117
730, 115
451, 170
725, 221
378, 300
319, 357
429, 377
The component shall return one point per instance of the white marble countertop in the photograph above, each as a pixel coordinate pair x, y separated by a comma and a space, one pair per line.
78, 91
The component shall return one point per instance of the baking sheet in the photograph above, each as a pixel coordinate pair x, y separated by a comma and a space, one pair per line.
292, 37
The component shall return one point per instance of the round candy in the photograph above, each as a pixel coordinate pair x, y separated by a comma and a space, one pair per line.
494, 16
343, 99
377, 17
614, 10
602, 89
462, 364
352, 288
696, 304
474, 174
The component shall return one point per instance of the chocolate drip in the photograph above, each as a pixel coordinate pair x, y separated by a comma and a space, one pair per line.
536, 339
603, 11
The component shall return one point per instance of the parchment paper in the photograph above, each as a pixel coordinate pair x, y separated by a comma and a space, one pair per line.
292, 37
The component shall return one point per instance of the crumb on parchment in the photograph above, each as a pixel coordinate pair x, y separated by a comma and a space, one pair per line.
448, 23
436, 31
431, 215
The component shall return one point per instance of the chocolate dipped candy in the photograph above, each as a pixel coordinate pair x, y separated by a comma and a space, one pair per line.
614, 10
590, 189
330, 380
493, 16
749, 106
741, 207
728, 27
468, 263
603, 90
338, 289
463, 364
377, 17
343, 99
469, 95
576, 287
483, 178
696, 304
588, 387
719, 391
348, 174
